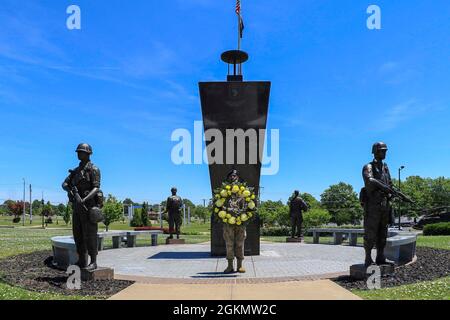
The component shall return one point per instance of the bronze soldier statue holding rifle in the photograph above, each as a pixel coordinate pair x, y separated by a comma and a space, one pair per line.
375, 198
83, 188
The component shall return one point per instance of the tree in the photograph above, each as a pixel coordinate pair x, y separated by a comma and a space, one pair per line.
61, 209
188, 203
342, 203
137, 219
144, 214
440, 192
316, 217
273, 213
112, 211
202, 213
67, 214
15, 208
37, 205
312, 202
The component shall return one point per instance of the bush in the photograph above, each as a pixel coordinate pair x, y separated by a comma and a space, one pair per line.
137, 219
16, 220
316, 218
437, 229
276, 232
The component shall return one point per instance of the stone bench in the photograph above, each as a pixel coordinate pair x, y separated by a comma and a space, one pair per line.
401, 248
132, 235
64, 252
116, 236
338, 235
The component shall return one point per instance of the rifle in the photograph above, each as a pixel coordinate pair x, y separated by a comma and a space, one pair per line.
74, 193
395, 193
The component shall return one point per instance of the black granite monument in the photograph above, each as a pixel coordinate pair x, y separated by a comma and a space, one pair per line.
236, 104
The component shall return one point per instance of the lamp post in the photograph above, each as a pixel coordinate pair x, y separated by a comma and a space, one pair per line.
400, 203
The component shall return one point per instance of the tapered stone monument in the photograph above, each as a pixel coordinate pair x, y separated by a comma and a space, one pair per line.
232, 105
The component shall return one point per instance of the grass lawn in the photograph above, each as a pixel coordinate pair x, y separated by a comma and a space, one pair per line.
8, 292
430, 290
15, 241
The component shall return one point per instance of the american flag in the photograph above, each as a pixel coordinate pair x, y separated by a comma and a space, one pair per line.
241, 21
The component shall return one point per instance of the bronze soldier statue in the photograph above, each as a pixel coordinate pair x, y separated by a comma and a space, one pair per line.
173, 208
296, 208
83, 188
376, 201
234, 235
375, 198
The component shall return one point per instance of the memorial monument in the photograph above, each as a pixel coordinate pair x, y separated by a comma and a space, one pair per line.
230, 106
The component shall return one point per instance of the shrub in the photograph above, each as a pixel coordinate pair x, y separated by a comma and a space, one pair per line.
437, 229
137, 219
16, 220
316, 218
276, 232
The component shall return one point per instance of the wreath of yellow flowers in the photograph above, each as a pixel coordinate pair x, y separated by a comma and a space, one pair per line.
245, 212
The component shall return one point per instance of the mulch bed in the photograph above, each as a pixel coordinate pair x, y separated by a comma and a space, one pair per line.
35, 272
431, 264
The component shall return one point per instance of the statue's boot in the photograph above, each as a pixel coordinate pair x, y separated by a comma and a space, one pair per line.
93, 265
369, 261
381, 259
240, 268
230, 268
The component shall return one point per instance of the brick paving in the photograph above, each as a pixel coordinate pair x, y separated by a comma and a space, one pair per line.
192, 264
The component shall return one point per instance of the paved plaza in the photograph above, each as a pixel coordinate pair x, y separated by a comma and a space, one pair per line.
193, 263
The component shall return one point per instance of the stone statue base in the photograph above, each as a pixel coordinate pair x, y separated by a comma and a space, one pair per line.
98, 274
175, 241
294, 240
359, 271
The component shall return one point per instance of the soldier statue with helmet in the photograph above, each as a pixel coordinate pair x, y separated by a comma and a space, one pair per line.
375, 198
83, 188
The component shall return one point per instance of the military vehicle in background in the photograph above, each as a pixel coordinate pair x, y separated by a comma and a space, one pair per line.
431, 216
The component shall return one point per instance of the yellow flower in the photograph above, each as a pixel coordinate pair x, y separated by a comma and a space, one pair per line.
235, 189
225, 221
228, 187
253, 197
229, 193
222, 214
217, 196
248, 199
247, 193
224, 193
251, 205
228, 216
232, 220
238, 223
220, 203
242, 188
250, 214
216, 210
244, 217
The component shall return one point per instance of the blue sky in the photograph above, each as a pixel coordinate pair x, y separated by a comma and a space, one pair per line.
130, 76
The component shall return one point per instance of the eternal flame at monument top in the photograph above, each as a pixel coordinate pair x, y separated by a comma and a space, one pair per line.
235, 104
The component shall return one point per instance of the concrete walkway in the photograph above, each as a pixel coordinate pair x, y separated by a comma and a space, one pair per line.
294, 290
193, 263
